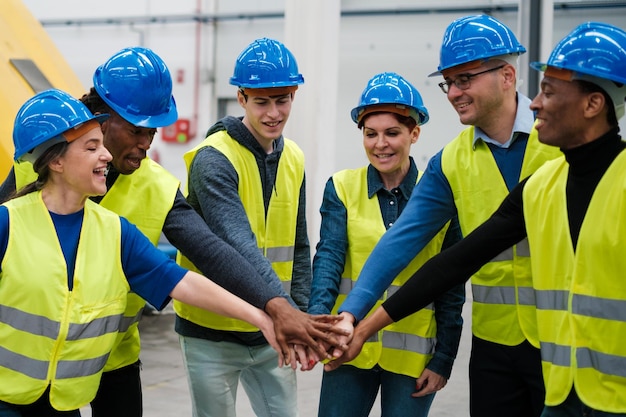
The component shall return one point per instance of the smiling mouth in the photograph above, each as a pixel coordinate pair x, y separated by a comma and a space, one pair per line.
135, 161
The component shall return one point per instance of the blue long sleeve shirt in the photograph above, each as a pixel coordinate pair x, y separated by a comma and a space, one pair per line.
430, 207
330, 257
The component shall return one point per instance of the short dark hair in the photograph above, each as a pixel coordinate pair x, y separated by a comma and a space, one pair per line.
94, 102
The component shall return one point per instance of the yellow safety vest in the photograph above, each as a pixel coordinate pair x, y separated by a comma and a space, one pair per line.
503, 308
581, 292
275, 233
404, 347
52, 336
144, 198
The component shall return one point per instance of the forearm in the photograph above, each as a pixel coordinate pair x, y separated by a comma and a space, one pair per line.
213, 190
301, 276
458, 263
375, 322
330, 254
188, 232
199, 291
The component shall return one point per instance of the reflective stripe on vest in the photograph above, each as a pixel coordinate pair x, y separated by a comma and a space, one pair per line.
56, 337
478, 189
581, 292
275, 231
404, 347
144, 198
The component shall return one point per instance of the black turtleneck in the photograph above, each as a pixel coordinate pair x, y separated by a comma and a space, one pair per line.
506, 227
587, 165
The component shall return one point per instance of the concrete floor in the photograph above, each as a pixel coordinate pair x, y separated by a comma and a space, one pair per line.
165, 385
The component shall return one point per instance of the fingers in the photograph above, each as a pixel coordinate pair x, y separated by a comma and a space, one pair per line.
326, 318
283, 352
293, 356
428, 383
325, 336
345, 356
306, 357
335, 363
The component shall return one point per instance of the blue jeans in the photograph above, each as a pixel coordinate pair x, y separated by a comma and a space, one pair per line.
349, 391
573, 407
40, 408
215, 368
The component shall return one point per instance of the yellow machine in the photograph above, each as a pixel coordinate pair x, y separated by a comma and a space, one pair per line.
30, 62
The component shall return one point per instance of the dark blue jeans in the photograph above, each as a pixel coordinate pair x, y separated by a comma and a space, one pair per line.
350, 392
40, 408
573, 407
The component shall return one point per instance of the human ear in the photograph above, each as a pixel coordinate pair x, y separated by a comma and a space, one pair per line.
415, 134
595, 104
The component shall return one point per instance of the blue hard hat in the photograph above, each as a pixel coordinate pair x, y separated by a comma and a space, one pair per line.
473, 38
389, 88
137, 85
42, 120
266, 63
595, 52
592, 48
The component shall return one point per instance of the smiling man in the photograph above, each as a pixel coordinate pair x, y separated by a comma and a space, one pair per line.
247, 181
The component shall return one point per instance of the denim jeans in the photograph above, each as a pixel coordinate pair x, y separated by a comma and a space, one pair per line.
573, 407
215, 368
350, 392
40, 408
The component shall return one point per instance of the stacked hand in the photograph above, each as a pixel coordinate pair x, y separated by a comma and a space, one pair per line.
427, 383
304, 338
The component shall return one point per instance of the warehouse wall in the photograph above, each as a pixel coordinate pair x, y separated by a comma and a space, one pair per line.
396, 35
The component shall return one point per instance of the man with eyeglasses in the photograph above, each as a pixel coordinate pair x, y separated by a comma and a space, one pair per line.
469, 178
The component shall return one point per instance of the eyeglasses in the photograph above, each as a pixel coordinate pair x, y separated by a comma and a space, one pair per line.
463, 82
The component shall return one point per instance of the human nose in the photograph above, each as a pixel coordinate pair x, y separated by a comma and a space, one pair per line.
106, 155
536, 102
381, 141
272, 109
144, 141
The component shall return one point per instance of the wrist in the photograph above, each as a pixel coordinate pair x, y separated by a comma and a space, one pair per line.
348, 317
277, 306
